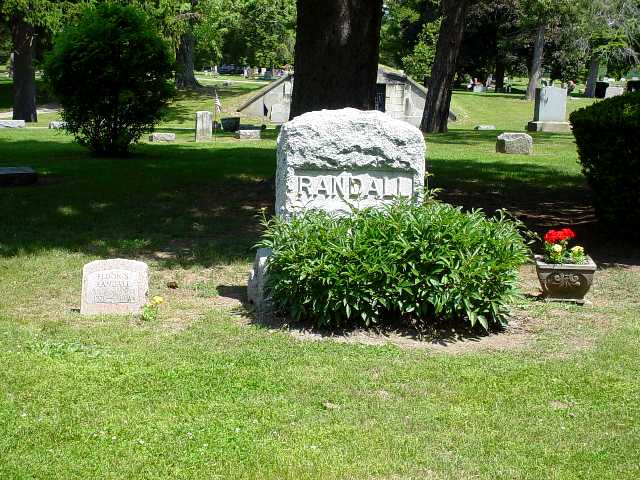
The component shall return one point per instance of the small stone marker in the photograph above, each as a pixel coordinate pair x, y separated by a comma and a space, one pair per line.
57, 124
485, 127
162, 137
479, 89
12, 123
280, 112
550, 111
249, 134
613, 91
204, 126
518, 143
332, 159
257, 278
15, 176
114, 286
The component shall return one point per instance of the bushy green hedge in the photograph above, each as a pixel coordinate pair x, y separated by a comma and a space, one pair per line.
111, 72
607, 135
414, 263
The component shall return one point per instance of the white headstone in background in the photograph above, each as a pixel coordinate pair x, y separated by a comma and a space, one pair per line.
115, 286
162, 137
334, 159
57, 124
613, 91
12, 123
204, 126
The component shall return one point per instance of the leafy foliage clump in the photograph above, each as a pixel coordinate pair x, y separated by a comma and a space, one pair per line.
407, 262
111, 73
606, 134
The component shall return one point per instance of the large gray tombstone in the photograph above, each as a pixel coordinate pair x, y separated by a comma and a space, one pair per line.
204, 126
114, 286
337, 159
550, 111
334, 160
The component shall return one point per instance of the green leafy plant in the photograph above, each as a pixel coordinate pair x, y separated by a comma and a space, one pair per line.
111, 73
408, 262
605, 134
150, 310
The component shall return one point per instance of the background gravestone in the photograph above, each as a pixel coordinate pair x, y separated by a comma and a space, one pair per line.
162, 137
114, 286
517, 143
12, 124
334, 159
204, 126
550, 111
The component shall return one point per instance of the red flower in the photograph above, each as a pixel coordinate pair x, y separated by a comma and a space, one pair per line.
555, 236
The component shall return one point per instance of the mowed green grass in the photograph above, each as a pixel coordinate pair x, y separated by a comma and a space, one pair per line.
204, 392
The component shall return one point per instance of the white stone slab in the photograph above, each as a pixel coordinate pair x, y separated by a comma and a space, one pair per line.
114, 286
518, 143
57, 124
550, 105
12, 123
613, 91
250, 134
204, 126
280, 112
162, 137
337, 159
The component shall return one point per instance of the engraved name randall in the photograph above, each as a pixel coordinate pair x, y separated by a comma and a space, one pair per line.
347, 185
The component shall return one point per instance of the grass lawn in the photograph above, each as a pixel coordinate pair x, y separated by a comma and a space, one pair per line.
205, 392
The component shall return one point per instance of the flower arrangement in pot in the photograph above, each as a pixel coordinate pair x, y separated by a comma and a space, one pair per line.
565, 273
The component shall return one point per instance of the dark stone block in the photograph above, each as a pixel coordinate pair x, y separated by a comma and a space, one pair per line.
15, 176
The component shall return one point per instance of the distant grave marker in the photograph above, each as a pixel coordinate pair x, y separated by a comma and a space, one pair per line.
12, 123
114, 286
204, 126
162, 137
15, 176
550, 111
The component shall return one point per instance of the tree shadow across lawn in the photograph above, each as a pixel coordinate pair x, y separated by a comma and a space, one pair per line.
180, 204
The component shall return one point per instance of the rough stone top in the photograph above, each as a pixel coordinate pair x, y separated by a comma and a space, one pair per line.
351, 138
514, 136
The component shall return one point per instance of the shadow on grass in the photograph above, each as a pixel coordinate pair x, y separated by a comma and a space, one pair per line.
182, 204
192, 204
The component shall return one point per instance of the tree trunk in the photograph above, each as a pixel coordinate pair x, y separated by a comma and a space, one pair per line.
336, 55
438, 101
24, 75
500, 70
594, 66
536, 64
185, 77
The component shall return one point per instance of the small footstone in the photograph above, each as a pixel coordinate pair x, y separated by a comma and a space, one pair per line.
485, 127
255, 285
518, 143
12, 124
14, 176
162, 137
252, 134
57, 124
115, 286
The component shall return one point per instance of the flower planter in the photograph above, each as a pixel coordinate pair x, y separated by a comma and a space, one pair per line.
565, 282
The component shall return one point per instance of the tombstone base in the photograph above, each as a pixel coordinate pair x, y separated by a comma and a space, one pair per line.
16, 176
549, 127
255, 285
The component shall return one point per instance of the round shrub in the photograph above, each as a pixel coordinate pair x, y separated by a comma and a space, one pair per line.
412, 263
111, 73
607, 135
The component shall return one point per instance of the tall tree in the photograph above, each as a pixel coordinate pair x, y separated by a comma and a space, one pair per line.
185, 77
438, 101
336, 54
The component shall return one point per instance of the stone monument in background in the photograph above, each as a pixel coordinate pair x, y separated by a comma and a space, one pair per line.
114, 286
204, 126
336, 160
550, 111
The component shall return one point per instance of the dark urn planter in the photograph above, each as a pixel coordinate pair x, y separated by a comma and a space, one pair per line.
230, 124
565, 282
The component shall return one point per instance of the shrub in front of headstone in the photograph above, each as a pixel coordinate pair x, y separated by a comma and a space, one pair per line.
406, 262
111, 73
606, 134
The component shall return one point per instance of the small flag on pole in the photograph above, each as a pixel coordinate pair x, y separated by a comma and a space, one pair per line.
218, 103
